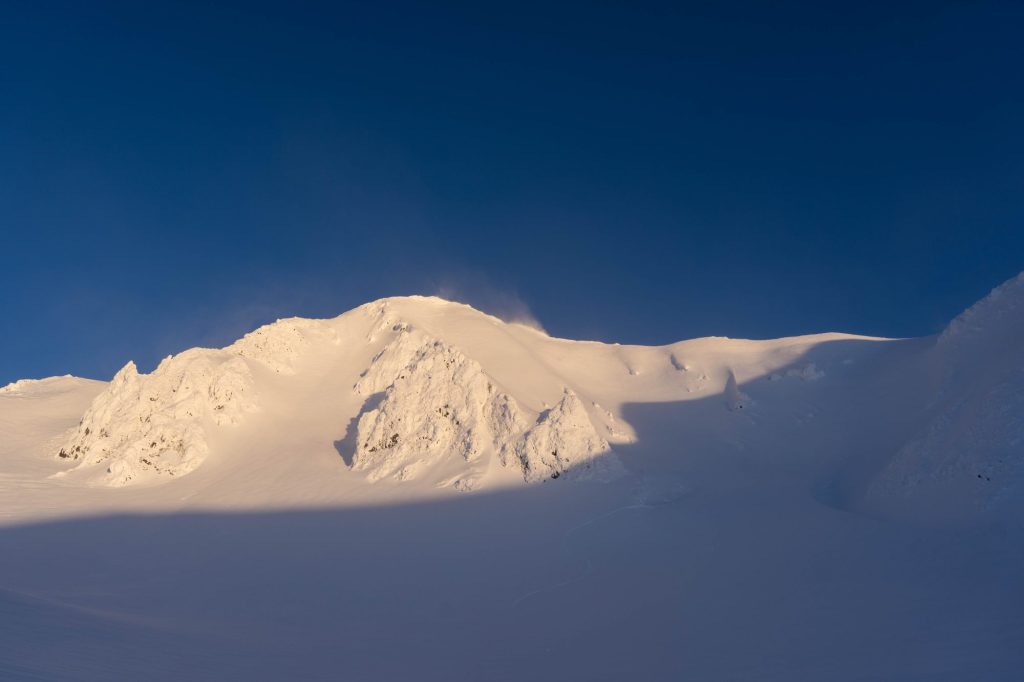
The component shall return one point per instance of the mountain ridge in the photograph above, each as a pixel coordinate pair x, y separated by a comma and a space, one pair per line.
480, 392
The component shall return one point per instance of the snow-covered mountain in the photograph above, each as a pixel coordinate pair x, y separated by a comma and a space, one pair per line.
422, 391
437, 394
425, 409
751, 451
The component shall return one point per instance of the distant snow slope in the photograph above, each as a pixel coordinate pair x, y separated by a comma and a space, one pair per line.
511, 506
967, 458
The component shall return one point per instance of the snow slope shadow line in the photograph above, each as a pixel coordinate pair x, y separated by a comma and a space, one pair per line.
827, 421
347, 446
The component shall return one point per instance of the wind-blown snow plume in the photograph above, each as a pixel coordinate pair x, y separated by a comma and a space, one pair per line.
505, 305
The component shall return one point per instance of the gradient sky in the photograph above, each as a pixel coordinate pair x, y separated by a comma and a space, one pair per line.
174, 175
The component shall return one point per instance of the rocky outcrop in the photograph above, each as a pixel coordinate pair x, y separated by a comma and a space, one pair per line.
147, 425
438, 406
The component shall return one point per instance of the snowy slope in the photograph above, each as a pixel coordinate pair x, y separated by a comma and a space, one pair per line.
967, 459
418, 490
419, 391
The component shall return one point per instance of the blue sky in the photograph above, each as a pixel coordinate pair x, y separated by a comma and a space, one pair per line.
175, 174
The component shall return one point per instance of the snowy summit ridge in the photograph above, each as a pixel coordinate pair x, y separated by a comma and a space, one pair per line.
429, 408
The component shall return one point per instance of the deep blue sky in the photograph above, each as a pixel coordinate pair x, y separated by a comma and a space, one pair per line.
174, 175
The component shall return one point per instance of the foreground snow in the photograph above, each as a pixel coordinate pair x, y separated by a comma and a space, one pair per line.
416, 490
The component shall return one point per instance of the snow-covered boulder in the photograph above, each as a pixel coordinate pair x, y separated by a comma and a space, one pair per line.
735, 399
